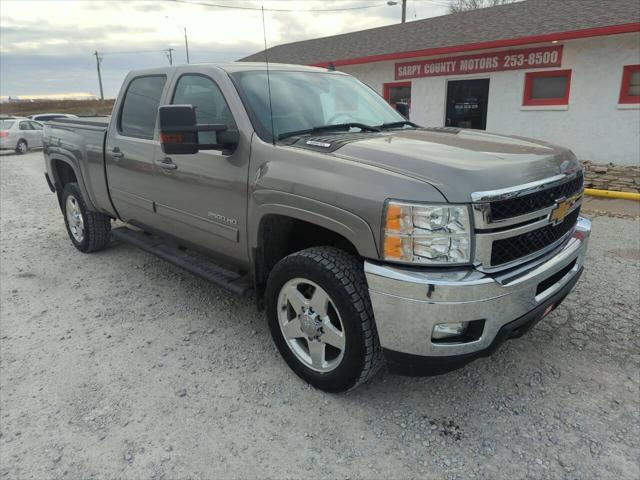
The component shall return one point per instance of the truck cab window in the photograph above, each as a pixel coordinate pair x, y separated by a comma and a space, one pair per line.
302, 100
206, 97
140, 107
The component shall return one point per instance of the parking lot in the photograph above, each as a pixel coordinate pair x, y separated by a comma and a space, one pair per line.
117, 364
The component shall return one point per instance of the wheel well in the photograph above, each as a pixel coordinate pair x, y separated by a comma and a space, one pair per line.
64, 174
279, 236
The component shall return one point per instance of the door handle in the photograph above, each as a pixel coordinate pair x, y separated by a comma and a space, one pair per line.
116, 153
168, 164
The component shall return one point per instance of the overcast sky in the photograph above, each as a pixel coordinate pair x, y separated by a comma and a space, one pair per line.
46, 46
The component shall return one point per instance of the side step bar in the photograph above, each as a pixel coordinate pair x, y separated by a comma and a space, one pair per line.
193, 262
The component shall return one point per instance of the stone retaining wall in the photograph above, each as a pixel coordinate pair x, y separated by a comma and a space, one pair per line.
612, 177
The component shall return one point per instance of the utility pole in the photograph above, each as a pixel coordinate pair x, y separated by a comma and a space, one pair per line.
98, 61
391, 3
184, 29
169, 53
186, 43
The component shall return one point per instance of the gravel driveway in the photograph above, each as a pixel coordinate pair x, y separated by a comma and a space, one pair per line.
117, 364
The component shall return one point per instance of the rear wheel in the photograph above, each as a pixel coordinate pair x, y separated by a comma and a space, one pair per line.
321, 320
22, 147
89, 231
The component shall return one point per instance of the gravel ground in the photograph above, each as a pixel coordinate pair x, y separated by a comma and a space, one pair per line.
117, 364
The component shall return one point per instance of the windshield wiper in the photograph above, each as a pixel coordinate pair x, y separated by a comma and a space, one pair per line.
322, 128
401, 123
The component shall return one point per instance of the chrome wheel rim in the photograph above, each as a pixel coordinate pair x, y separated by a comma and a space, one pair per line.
74, 218
22, 147
311, 325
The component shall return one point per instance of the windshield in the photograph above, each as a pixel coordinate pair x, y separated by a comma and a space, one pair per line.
306, 100
6, 124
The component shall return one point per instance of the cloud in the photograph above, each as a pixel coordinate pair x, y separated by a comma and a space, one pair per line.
47, 37
50, 49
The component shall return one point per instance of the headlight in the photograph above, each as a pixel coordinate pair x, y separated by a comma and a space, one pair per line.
432, 234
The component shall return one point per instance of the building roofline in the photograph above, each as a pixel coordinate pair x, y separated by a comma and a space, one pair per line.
510, 42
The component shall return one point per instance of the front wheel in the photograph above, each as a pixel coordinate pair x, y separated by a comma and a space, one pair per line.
321, 319
22, 147
89, 231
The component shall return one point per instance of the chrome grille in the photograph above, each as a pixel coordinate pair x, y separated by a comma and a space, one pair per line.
516, 225
512, 248
514, 207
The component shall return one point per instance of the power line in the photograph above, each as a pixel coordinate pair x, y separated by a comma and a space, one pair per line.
132, 52
244, 7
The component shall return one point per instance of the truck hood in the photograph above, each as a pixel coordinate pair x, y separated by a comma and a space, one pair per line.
460, 162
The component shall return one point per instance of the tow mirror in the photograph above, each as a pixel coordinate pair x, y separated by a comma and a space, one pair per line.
179, 132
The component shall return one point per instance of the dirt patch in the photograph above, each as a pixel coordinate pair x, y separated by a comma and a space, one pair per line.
85, 108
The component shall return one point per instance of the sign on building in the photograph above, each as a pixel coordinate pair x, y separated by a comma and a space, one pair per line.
525, 58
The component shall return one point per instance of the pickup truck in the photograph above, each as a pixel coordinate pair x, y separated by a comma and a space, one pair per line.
366, 238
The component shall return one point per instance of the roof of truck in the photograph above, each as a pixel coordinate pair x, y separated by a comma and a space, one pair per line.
245, 66
232, 67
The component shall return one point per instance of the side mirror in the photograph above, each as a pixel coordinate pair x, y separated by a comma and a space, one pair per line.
179, 132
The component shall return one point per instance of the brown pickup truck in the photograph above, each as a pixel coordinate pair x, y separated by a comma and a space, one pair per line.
364, 236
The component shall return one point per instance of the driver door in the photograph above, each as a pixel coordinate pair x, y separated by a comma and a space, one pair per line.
201, 198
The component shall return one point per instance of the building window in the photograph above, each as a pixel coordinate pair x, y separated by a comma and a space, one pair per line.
547, 88
398, 94
630, 89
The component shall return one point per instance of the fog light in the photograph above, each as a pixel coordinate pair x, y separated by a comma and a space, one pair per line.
446, 330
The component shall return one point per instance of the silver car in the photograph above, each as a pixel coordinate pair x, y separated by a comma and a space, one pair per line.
45, 117
20, 134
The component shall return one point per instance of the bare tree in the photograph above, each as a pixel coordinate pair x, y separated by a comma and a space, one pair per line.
457, 6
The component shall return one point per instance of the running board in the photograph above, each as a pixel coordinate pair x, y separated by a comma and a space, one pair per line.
193, 262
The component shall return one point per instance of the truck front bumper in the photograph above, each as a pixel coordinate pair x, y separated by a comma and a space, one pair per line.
409, 302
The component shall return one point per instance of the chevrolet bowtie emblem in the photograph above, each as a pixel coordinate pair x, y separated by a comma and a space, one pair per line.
562, 208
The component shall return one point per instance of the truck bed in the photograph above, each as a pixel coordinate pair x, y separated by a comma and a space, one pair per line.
80, 143
102, 121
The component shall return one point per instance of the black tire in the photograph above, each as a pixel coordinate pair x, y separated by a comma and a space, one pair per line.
22, 146
97, 226
342, 277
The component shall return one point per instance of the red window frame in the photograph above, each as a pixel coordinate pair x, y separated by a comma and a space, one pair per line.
527, 101
390, 85
624, 87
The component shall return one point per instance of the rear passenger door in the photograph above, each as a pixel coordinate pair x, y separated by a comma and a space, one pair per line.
29, 134
132, 143
202, 197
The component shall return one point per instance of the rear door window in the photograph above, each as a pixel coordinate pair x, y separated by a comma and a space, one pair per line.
25, 126
140, 106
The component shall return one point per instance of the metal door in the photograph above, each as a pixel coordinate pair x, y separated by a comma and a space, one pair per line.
132, 144
202, 197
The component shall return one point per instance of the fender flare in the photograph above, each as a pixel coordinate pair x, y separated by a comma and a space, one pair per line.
55, 157
352, 227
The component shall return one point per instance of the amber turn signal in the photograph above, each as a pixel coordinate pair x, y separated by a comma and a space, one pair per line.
171, 138
392, 246
394, 214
